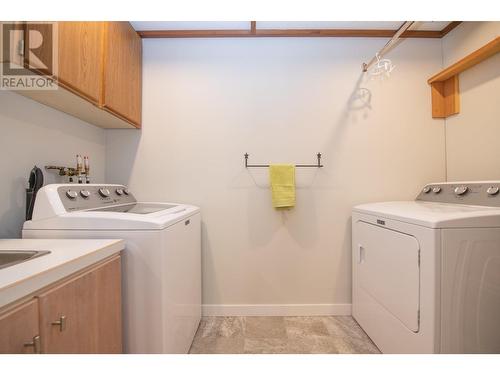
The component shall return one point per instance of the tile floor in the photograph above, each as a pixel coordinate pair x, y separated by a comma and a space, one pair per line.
278, 334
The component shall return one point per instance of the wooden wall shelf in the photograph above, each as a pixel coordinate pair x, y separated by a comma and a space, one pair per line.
445, 84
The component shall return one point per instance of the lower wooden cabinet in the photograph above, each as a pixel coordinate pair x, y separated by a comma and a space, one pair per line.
80, 315
108, 314
19, 331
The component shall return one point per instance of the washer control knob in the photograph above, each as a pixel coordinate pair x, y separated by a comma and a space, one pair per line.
493, 190
426, 189
436, 190
103, 192
461, 190
71, 194
126, 192
119, 191
85, 193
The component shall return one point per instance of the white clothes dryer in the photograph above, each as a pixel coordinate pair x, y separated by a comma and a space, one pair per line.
426, 273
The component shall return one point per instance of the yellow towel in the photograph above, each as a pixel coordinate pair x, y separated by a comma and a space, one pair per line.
282, 177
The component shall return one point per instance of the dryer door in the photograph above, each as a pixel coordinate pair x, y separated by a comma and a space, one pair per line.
388, 270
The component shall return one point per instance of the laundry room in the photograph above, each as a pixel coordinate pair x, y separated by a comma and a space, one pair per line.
289, 185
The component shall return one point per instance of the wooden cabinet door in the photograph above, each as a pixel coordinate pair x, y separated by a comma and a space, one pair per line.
123, 72
83, 315
108, 298
67, 316
19, 330
80, 48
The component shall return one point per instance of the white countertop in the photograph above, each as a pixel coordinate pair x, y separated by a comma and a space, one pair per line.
66, 257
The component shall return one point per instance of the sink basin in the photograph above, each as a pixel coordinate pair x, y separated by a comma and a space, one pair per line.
11, 257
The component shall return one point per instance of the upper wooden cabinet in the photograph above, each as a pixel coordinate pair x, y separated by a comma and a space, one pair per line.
80, 69
123, 72
99, 73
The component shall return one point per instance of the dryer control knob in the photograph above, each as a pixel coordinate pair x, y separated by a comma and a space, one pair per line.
436, 190
426, 189
71, 194
493, 190
126, 192
119, 191
461, 190
85, 193
104, 192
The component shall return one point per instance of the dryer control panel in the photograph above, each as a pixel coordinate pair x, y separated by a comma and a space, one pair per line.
484, 193
77, 197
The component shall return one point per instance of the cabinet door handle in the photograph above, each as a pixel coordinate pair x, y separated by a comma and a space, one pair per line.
361, 253
35, 344
61, 323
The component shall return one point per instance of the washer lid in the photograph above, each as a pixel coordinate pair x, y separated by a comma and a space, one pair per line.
108, 220
139, 208
434, 215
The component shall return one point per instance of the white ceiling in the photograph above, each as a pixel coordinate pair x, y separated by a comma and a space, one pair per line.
243, 25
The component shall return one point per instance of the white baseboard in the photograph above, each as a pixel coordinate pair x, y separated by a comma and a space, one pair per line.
277, 310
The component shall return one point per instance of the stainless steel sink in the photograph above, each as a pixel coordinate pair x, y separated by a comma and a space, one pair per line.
11, 257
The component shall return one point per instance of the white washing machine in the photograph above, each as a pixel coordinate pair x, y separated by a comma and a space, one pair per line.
426, 273
161, 262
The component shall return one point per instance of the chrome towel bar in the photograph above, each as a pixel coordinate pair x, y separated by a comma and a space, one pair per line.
318, 165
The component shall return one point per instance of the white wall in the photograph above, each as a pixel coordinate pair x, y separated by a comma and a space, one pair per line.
472, 136
208, 101
31, 133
